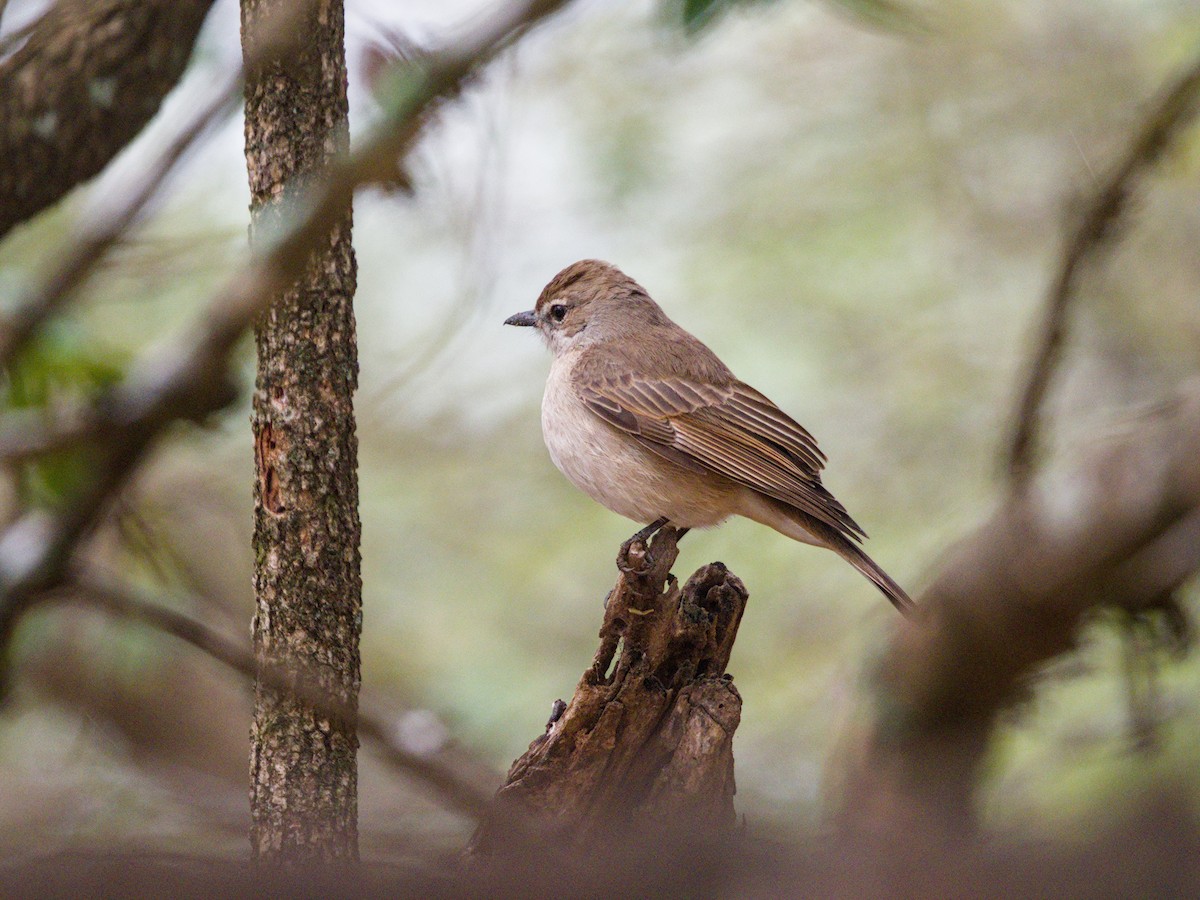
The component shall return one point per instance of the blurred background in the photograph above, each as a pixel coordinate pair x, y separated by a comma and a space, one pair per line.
861, 215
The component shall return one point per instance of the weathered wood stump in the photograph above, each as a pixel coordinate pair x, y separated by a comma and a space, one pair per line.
647, 740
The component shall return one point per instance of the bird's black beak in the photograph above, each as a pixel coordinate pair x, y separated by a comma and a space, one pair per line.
526, 319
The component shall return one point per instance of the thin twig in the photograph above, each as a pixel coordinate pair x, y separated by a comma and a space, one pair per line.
456, 789
1096, 227
27, 433
105, 225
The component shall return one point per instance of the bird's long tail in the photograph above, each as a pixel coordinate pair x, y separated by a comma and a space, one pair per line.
855, 555
800, 526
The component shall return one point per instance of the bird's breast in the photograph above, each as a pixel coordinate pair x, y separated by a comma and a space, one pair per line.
590, 453
615, 470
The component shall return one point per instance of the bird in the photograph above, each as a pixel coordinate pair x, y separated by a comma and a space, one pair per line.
646, 420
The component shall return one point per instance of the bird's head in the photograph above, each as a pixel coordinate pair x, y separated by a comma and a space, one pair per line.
587, 302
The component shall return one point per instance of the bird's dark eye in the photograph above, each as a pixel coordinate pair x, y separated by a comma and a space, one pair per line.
558, 312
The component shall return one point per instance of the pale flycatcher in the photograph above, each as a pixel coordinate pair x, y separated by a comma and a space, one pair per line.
646, 420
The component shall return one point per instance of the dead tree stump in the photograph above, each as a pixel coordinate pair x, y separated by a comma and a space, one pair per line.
647, 740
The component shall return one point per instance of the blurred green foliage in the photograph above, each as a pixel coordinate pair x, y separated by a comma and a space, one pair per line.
697, 14
62, 368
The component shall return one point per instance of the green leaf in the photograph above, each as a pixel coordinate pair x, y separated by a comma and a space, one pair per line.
59, 364
60, 367
889, 15
698, 13
886, 15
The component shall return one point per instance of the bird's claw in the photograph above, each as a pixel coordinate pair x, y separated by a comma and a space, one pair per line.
634, 558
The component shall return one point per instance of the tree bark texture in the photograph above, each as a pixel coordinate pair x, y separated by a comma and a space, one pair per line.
306, 538
1119, 528
87, 79
646, 743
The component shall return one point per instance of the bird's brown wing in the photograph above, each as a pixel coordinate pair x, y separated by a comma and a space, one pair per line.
730, 429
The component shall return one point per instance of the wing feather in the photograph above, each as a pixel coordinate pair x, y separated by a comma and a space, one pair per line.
759, 466
779, 426
729, 429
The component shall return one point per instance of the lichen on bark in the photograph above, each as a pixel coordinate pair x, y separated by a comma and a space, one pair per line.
306, 536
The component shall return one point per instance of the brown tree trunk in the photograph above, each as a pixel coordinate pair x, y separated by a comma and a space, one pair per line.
646, 744
304, 777
88, 78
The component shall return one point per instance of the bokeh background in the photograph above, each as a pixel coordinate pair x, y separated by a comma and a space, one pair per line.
860, 215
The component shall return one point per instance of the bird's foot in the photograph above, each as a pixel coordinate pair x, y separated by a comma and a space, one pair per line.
634, 558
648, 532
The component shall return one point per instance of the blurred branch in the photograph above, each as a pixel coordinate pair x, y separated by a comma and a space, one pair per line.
446, 777
189, 380
17, 35
104, 225
86, 81
1012, 596
1018, 592
1096, 228
114, 212
26, 432
188, 384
